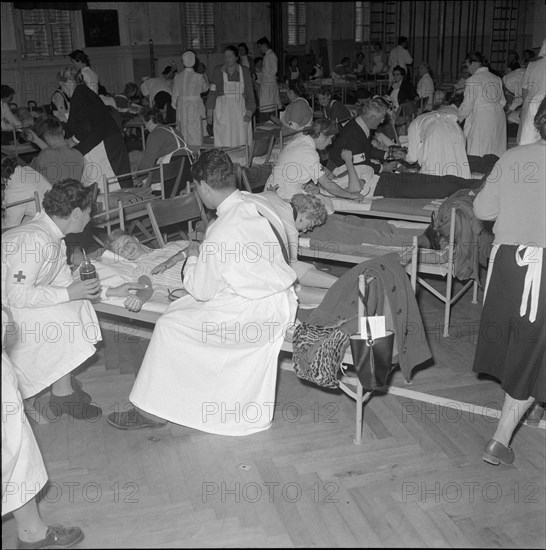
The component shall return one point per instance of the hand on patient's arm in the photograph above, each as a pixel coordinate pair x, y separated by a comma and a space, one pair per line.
337, 191
170, 262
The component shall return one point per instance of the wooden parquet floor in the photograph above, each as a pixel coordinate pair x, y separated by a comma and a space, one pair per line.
416, 481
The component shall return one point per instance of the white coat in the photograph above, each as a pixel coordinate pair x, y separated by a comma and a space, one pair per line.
212, 360
190, 109
482, 107
270, 100
23, 470
534, 82
437, 143
50, 335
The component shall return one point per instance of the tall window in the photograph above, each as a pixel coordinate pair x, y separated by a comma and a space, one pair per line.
296, 23
359, 21
200, 25
46, 33
362, 21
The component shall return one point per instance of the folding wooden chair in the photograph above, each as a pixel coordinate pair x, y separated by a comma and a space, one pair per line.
35, 199
254, 178
185, 208
439, 262
261, 147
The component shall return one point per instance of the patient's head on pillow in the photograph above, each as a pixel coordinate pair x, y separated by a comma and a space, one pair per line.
309, 211
125, 245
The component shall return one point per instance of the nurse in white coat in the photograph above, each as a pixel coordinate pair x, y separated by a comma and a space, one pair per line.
483, 110
212, 360
533, 92
270, 99
53, 326
190, 109
437, 143
23, 470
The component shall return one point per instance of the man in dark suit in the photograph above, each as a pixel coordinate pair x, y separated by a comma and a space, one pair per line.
356, 136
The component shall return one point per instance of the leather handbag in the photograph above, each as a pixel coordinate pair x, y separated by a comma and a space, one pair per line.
372, 357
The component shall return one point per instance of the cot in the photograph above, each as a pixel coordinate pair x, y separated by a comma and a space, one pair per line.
152, 310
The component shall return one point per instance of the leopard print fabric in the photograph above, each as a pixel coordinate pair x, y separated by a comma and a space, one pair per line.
318, 352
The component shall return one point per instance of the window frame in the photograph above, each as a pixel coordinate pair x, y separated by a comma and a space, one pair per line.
75, 25
359, 6
185, 34
297, 25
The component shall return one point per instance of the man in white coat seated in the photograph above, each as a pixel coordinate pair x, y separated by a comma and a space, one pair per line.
53, 327
212, 360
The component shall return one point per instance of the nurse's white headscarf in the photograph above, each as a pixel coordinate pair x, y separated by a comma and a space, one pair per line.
188, 58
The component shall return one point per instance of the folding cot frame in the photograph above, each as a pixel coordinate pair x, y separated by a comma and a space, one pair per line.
348, 383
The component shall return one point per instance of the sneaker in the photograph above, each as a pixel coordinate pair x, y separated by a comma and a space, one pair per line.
132, 420
57, 536
74, 406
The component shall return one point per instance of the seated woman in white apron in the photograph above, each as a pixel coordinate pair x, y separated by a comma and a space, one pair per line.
231, 100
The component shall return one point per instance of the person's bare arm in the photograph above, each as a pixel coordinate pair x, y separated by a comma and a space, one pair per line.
333, 188
355, 185
169, 262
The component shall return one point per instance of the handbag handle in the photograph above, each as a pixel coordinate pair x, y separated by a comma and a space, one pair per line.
364, 299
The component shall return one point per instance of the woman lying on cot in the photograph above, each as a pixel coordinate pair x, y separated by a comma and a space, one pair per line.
126, 260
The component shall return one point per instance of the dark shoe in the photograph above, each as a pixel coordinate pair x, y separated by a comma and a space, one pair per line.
132, 420
57, 536
73, 405
496, 452
77, 387
534, 415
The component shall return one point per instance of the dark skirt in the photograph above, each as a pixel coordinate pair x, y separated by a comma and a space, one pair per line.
510, 347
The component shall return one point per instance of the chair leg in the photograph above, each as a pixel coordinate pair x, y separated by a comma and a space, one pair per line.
447, 309
475, 292
359, 410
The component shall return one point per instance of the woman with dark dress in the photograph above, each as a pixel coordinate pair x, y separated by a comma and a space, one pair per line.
94, 132
512, 335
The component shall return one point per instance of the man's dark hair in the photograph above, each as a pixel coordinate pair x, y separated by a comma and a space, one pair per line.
265, 41
65, 196
216, 169
49, 125
402, 40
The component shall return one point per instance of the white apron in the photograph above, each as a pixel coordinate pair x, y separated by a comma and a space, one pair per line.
230, 130
190, 109
47, 339
96, 165
23, 470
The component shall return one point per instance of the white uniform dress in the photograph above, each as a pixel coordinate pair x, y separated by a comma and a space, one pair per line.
401, 57
270, 100
91, 78
482, 107
212, 360
190, 109
230, 128
23, 470
437, 143
425, 88
51, 336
